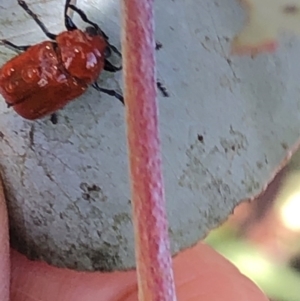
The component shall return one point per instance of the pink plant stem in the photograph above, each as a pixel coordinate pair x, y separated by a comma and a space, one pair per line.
154, 264
4, 249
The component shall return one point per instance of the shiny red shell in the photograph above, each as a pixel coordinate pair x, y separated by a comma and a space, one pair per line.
48, 75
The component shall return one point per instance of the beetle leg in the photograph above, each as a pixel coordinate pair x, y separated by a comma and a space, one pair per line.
14, 47
108, 66
109, 92
115, 49
37, 20
53, 118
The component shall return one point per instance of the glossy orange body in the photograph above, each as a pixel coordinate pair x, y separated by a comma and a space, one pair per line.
48, 75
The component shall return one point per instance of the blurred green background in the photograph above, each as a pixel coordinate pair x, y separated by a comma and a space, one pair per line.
262, 237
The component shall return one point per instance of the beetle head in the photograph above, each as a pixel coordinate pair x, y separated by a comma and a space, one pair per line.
93, 31
96, 31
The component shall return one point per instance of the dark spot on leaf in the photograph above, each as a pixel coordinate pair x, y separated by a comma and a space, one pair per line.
291, 9
284, 145
259, 165
31, 136
93, 188
162, 89
200, 138
158, 45
86, 196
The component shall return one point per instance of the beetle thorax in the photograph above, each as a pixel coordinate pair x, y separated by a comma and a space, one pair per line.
82, 54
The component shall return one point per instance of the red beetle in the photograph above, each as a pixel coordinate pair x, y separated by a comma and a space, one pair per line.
48, 75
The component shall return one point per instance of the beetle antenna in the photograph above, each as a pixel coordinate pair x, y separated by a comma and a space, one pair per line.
42, 26
69, 24
84, 17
